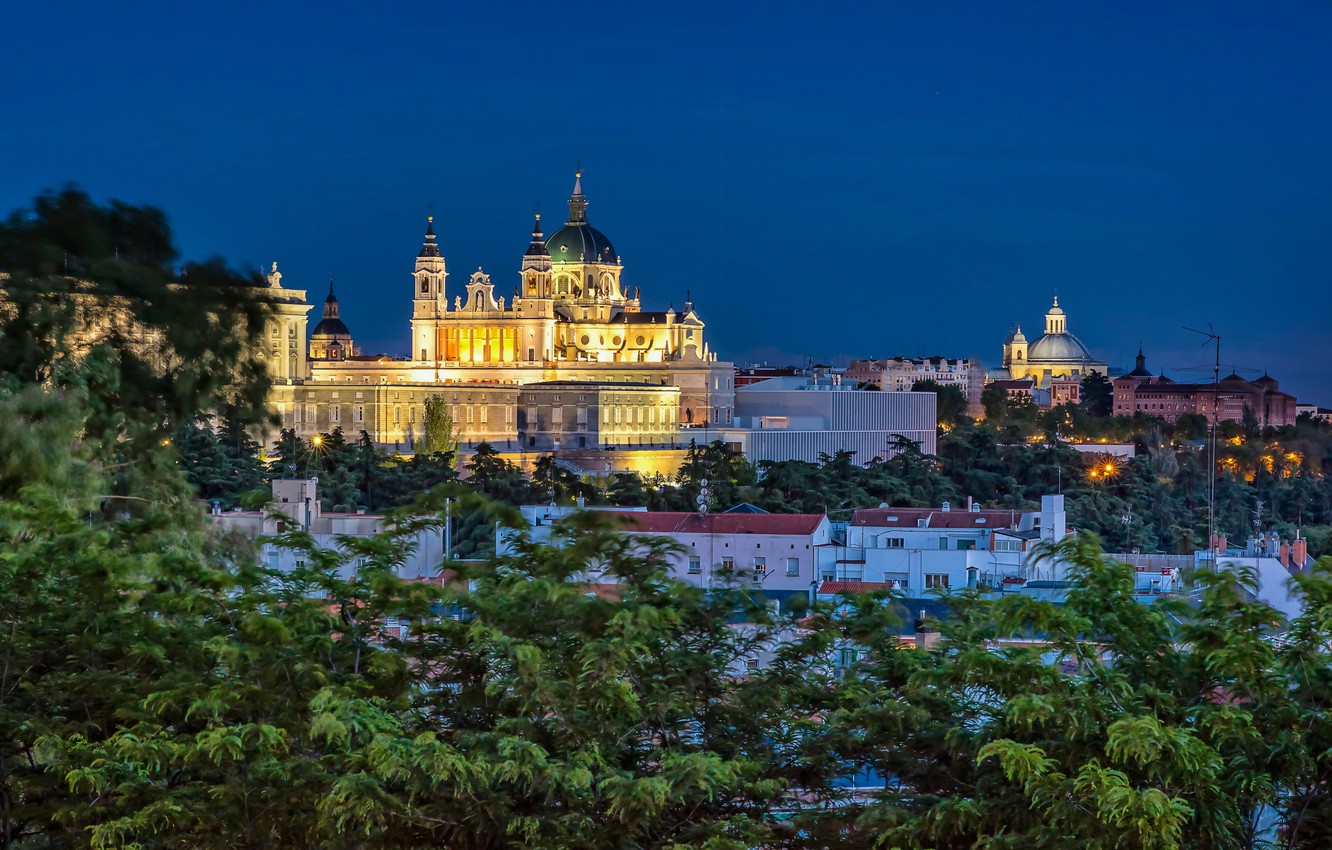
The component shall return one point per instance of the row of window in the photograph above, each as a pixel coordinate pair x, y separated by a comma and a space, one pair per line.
759, 568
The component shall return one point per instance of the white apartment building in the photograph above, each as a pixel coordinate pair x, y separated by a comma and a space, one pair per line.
899, 374
777, 553
924, 550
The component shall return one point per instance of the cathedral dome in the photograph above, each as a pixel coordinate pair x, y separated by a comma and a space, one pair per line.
578, 241
581, 242
331, 327
1062, 348
331, 324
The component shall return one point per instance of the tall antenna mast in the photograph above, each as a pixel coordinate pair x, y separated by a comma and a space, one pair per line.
1212, 338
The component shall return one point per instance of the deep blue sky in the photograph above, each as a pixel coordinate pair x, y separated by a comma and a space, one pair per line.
829, 181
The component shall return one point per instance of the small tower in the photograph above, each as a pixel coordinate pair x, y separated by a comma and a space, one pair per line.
536, 268
428, 301
1015, 348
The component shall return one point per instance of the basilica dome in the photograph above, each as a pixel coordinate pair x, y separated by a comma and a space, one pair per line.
1058, 347
581, 242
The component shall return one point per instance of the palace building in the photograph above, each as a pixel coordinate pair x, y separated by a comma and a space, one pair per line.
571, 318
1057, 354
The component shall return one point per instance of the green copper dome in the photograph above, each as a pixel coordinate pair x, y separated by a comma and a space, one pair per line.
581, 242
578, 241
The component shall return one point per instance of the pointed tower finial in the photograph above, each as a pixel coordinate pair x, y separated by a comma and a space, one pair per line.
330, 288
578, 201
430, 248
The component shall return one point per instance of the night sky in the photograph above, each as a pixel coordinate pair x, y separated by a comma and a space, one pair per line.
907, 178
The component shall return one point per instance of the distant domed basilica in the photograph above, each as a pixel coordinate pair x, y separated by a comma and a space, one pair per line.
1057, 354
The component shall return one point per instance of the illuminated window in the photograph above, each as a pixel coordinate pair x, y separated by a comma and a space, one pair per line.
933, 580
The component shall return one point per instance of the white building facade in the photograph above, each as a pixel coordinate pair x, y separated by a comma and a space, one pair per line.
919, 551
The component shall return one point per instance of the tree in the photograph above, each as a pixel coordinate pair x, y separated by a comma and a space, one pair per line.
994, 401
440, 433
952, 402
1097, 394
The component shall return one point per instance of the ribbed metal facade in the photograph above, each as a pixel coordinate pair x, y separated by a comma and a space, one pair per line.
777, 445
828, 421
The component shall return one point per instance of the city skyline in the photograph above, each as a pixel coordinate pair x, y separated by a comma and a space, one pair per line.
933, 177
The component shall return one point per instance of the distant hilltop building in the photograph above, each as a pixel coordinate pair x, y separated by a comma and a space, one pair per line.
1057, 354
618, 375
1140, 391
900, 374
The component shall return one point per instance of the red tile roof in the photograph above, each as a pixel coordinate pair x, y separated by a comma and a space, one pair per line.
937, 518
680, 522
831, 587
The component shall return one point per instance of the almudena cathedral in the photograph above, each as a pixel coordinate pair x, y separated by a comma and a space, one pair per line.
568, 361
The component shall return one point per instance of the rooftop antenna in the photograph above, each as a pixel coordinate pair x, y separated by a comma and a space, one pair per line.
1212, 338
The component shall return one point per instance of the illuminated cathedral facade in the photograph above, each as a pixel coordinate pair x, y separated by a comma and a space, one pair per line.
570, 321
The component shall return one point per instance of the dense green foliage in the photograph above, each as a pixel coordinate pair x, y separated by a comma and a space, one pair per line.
160, 688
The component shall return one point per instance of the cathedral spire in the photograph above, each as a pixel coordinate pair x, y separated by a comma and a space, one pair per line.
429, 248
578, 201
538, 246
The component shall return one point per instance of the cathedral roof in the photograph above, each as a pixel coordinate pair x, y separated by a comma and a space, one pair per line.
1060, 348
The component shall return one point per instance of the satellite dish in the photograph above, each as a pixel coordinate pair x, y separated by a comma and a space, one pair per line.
703, 483
702, 509
702, 499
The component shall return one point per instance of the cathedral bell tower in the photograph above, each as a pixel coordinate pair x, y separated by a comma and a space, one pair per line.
536, 268
428, 303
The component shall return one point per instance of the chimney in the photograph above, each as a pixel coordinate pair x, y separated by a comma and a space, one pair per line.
947, 506
1299, 553
1054, 521
1284, 557
1219, 542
